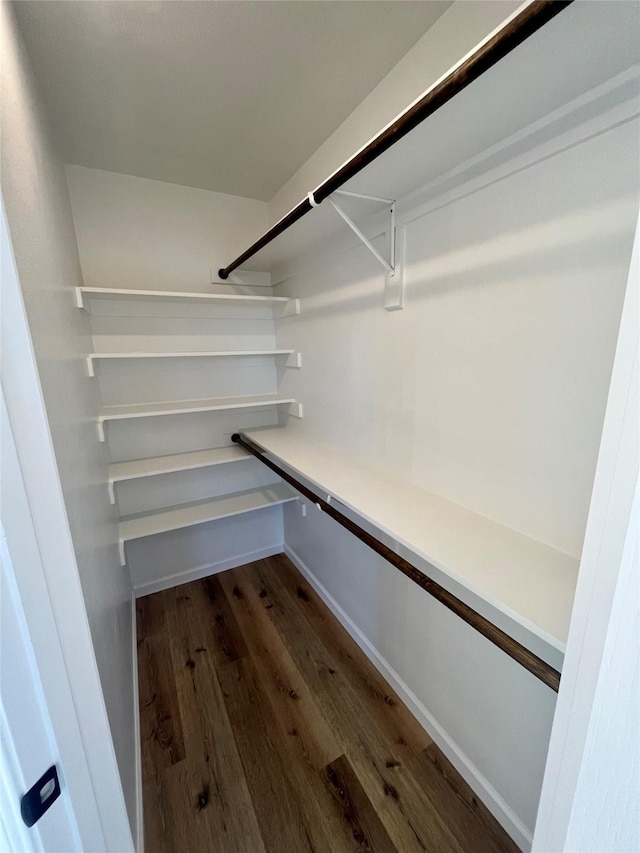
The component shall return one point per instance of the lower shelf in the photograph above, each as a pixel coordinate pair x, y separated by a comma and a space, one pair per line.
186, 515
522, 586
138, 468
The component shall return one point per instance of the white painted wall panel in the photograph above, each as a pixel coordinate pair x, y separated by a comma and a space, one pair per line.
605, 812
39, 215
138, 233
589, 799
489, 389
155, 380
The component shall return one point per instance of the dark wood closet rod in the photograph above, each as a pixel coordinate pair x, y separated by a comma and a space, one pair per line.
531, 662
531, 19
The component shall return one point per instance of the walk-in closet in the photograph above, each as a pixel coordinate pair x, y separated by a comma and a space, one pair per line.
320, 374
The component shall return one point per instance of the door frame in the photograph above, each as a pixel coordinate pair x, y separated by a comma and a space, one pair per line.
49, 586
612, 527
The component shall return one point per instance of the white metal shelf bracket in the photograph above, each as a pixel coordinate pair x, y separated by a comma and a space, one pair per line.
394, 267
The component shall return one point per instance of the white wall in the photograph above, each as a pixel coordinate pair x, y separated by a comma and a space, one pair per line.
591, 789
489, 389
37, 204
133, 232
459, 30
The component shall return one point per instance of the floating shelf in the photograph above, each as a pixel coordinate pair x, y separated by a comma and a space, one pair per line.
184, 407
139, 468
296, 361
523, 586
187, 515
86, 294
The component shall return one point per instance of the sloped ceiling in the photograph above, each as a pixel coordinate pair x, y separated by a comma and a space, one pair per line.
228, 95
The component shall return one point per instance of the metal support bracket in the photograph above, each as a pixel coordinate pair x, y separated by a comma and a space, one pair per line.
394, 267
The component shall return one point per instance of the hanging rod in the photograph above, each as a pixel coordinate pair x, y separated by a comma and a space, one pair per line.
513, 33
531, 662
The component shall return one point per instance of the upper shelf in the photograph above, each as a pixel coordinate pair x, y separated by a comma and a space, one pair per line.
85, 295
110, 356
513, 579
541, 87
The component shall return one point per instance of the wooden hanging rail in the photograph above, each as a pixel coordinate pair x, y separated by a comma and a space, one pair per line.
531, 662
513, 33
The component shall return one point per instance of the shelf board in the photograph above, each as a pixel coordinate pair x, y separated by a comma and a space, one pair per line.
139, 468
184, 407
187, 515
499, 571
83, 294
97, 356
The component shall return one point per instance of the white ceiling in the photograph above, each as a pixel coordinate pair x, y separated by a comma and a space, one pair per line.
227, 95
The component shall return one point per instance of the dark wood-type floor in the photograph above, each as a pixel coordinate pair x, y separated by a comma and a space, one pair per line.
265, 728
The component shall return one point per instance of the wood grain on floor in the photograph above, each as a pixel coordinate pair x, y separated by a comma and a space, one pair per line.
265, 728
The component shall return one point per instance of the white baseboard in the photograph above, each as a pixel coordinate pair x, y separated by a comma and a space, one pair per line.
470, 773
139, 835
206, 570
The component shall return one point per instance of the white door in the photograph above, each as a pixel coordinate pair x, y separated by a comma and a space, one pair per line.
27, 743
55, 710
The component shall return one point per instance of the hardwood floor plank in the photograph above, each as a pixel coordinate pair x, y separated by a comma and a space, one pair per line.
406, 811
265, 728
391, 714
469, 818
225, 642
213, 764
160, 723
160, 720
366, 826
294, 705
447, 790
300, 734
260, 747
198, 825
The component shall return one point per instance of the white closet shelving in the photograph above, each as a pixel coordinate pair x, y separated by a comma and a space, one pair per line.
85, 295
513, 576
168, 485
171, 463
186, 515
184, 407
110, 356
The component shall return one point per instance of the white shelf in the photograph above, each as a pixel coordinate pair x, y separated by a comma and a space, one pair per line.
139, 468
495, 569
187, 515
296, 362
183, 407
86, 294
